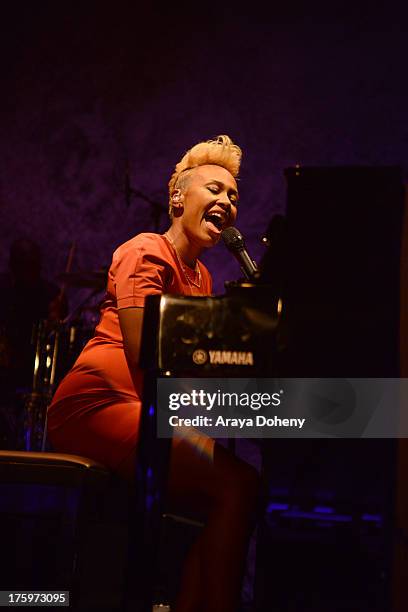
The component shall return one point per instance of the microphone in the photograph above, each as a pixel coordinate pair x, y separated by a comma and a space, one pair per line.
235, 243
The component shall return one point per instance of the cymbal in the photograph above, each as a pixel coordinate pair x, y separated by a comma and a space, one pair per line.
92, 279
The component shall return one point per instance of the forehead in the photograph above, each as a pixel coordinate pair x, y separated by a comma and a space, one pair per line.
211, 172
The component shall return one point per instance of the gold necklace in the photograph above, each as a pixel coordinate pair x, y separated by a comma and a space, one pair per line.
184, 268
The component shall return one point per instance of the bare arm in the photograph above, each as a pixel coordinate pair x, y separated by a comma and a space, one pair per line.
131, 320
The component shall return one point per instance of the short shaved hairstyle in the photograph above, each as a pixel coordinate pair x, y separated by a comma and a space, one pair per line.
221, 151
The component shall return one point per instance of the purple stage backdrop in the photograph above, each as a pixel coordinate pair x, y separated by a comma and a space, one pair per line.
90, 86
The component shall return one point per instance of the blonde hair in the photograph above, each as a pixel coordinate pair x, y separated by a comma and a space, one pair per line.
221, 152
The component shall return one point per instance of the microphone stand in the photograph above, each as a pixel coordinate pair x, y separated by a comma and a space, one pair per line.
157, 209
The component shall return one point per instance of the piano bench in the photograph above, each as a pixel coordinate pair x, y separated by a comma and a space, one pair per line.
64, 526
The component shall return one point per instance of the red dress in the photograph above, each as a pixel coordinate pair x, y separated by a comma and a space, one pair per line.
95, 411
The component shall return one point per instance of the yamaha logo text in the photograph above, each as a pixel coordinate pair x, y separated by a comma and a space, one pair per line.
245, 358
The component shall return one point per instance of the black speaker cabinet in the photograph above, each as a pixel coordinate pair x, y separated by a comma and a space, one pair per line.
339, 265
344, 229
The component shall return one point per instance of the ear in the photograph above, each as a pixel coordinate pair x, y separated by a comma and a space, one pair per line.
177, 196
176, 203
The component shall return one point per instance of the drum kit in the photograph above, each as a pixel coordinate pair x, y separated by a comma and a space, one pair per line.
57, 346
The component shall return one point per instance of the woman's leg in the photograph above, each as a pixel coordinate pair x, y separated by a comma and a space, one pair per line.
225, 489
205, 479
210, 482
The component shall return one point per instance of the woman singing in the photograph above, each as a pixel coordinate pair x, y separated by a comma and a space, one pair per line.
96, 409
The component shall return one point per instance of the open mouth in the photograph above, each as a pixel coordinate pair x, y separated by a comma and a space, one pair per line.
215, 221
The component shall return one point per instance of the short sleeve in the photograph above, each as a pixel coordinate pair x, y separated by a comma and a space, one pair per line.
137, 271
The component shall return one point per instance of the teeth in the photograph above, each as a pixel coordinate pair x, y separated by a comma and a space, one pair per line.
217, 218
214, 214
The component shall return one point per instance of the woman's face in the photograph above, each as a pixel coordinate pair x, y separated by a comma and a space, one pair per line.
209, 204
